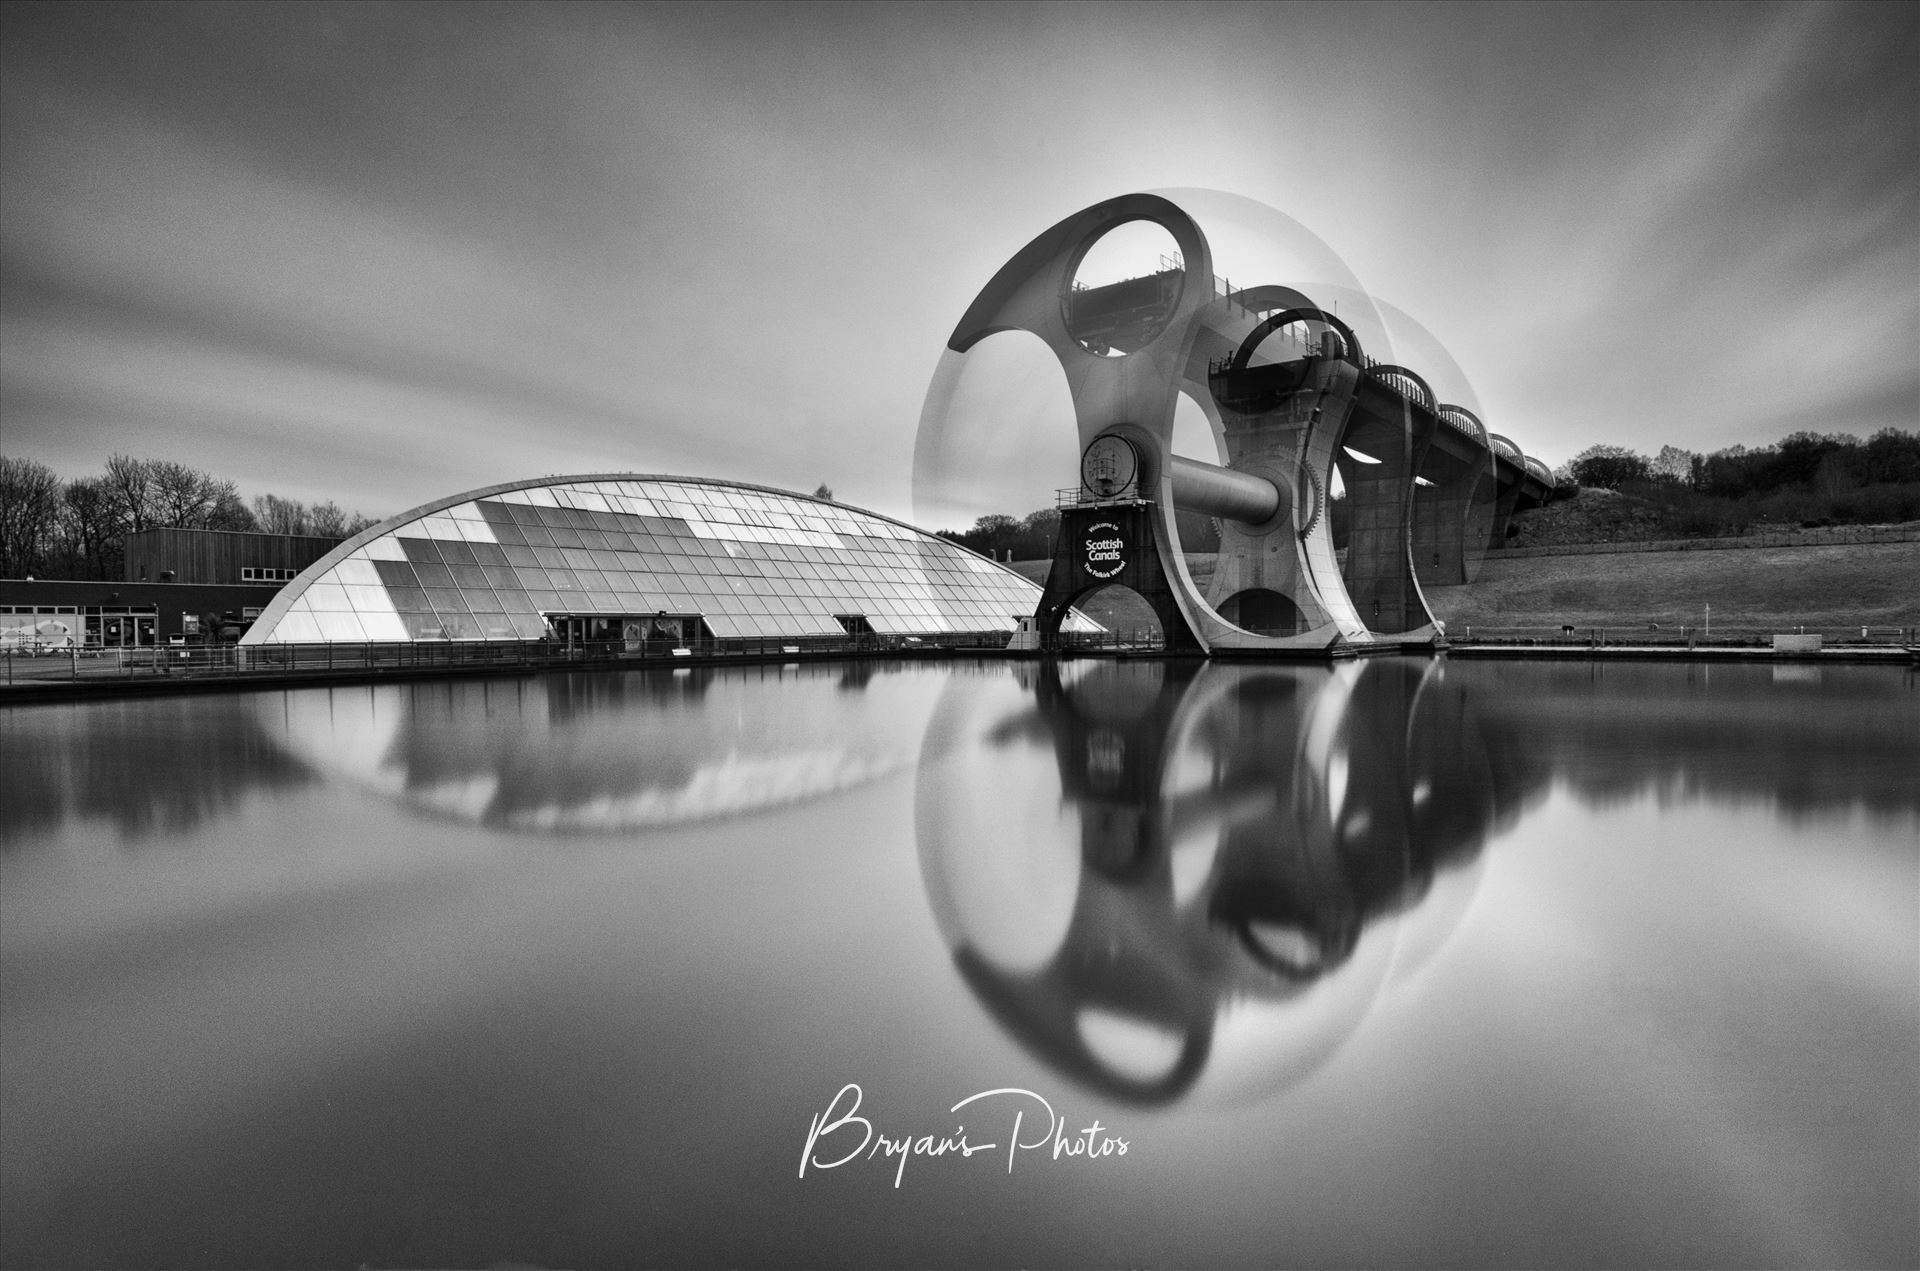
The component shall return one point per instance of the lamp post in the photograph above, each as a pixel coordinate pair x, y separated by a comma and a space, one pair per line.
1709, 626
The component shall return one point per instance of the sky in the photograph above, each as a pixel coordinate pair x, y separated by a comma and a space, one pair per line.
382, 254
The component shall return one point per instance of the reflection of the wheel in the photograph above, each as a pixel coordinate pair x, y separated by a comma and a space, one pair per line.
1226, 874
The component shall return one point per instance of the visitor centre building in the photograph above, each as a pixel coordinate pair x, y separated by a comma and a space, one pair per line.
641, 558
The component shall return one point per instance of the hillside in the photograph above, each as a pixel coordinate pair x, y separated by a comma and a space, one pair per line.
1837, 587
1766, 589
1595, 516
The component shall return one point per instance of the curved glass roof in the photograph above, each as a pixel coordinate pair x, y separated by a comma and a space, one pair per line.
495, 564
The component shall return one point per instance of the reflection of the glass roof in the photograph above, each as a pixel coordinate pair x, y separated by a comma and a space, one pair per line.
596, 753
496, 563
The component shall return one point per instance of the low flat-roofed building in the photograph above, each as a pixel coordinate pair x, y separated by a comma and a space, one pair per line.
51, 615
221, 557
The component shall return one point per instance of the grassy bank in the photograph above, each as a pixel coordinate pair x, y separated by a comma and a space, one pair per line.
1768, 589
1869, 584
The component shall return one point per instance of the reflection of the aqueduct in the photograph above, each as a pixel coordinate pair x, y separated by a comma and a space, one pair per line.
1241, 857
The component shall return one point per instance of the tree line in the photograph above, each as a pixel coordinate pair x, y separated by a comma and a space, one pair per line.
1806, 478
53, 528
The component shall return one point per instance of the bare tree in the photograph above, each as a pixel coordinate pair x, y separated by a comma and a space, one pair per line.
276, 515
327, 520
182, 496
131, 482
229, 511
92, 529
29, 502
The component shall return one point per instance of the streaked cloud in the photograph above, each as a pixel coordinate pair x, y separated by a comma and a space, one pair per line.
379, 253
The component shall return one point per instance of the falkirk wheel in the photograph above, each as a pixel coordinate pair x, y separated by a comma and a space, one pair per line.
1292, 396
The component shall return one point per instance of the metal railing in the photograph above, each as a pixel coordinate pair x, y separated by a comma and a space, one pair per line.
1079, 496
211, 662
1116, 640
1730, 635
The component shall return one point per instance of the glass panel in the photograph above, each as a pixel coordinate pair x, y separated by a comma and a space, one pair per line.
384, 548
297, 627
328, 596
384, 626
456, 553
368, 599
396, 573
523, 514
354, 570
409, 599
339, 626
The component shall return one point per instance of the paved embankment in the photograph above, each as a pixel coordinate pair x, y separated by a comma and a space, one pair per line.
1890, 655
72, 680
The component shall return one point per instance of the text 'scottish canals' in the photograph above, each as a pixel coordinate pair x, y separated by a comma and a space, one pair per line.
1007, 1123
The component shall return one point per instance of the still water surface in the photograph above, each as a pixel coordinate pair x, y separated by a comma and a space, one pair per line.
1399, 963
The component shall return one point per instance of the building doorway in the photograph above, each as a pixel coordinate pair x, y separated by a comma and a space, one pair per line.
629, 633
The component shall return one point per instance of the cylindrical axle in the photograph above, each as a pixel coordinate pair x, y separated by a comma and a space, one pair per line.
1222, 492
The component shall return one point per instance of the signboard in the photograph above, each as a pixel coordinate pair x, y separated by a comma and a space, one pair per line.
1104, 553
190, 624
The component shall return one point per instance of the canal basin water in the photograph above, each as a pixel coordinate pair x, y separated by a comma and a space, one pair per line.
1396, 963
